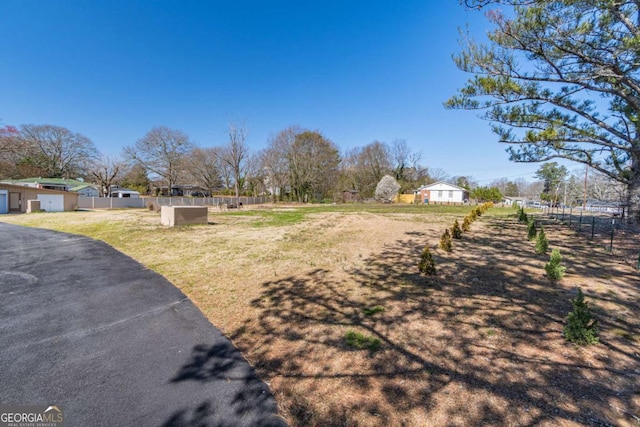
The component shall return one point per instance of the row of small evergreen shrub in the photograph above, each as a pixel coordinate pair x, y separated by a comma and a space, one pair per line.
427, 264
581, 328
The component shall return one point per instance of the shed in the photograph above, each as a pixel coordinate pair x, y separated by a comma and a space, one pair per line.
13, 199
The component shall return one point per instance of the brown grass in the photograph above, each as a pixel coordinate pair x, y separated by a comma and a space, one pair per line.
479, 344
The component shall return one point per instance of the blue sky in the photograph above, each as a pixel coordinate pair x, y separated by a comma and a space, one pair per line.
357, 71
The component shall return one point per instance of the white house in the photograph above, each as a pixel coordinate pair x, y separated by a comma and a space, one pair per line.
442, 192
86, 190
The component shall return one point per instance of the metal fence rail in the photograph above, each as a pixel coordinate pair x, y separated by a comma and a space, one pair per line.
609, 230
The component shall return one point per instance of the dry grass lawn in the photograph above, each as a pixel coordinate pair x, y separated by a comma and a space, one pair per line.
480, 344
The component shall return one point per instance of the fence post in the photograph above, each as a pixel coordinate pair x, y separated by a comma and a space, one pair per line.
570, 215
580, 223
613, 223
593, 225
562, 213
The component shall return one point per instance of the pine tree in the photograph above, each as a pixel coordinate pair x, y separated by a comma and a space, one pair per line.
532, 230
554, 268
445, 241
581, 327
456, 231
542, 244
427, 265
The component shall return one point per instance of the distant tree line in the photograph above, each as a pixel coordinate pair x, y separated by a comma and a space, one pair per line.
298, 164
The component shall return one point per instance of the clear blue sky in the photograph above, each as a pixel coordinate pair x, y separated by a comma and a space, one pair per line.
358, 71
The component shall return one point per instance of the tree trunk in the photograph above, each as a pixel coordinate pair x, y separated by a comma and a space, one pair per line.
633, 199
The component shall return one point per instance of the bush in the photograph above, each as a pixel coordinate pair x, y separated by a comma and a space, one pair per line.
532, 231
542, 244
445, 241
581, 327
456, 231
478, 211
466, 224
554, 268
427, 265
522, 216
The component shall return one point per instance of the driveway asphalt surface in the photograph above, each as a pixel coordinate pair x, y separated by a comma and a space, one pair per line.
111, 343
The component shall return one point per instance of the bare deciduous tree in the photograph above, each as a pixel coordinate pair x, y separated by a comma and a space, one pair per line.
56, 151
162, 151
104, 171
203, 168
274, 161
235, 153
313, 166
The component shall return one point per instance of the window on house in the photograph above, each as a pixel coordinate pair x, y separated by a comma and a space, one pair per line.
439, 193
451, 194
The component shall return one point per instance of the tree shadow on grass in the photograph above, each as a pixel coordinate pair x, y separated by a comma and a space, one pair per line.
480, 344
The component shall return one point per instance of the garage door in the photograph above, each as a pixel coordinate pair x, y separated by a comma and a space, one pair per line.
51, 202
4, 206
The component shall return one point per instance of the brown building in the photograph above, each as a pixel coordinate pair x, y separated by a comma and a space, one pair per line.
14, 198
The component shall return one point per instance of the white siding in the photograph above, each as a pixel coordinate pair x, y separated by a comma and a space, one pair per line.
51, 202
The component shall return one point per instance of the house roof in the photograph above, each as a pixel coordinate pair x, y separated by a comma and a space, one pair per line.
453, 187
6, 185
46, 181
124, 191
82, 187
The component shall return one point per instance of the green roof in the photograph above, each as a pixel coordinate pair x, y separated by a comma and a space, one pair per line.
82, 187
47, 181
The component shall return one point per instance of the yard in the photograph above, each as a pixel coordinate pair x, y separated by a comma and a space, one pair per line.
327, 304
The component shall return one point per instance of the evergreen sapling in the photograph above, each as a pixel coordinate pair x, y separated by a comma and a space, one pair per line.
532, 231
554, 268
581, 327
542, 244
466, 224
427, 265
445, 241
456, 231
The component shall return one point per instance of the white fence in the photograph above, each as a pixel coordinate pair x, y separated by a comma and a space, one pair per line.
144, 202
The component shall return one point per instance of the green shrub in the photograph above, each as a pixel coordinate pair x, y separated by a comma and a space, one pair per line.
581, 327
456, 231
554, 268
427, 265
522, 216
361, 341
542, 244
478, 211
532, 231
445, 241
466, 224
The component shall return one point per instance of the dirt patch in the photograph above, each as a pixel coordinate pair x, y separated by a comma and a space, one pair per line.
479, 345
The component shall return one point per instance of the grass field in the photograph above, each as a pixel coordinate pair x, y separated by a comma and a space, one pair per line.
328, 305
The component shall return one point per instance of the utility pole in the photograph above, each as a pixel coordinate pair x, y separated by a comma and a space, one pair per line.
584, 198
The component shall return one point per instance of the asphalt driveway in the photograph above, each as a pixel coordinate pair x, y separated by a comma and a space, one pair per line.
111, 343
